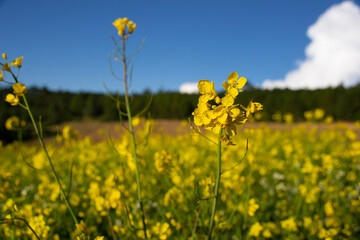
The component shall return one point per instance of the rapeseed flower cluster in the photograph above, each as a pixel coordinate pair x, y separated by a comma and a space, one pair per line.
19, 89
122, 24
223, 113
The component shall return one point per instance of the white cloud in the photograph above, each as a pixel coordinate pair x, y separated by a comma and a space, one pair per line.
189, 88
333, 55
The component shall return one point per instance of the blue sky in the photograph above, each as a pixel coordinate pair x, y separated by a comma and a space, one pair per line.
66, 43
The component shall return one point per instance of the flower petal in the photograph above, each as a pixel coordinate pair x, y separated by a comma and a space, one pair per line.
233, 77
241, 82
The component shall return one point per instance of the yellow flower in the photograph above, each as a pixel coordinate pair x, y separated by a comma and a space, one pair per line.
319, 113
131, 26
201, 114
120, 26
309, 115
207, 90
225, 114
253, 207
253, 107
19, 88
12, 99
307, 222
234, 84
255, 229
17, 62
289, 224
289, 118
38, 224
122, 23
4, 56
162, 230
12, 123
329, 210
81, 226
162, 161
114, 197
136, 121
267, 233
1, 76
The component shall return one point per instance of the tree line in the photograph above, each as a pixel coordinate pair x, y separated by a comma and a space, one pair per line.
60, 106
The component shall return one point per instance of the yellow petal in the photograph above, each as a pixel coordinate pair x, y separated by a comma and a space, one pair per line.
233, 92
223, 118
216, 112
12, 99
225, 85
234, 112
206, 120
241, 82
227, 101
203, 107
216, 129
258, 106
19, 88
198, 121
204, 98
17, 62
233, 77
204, 86
217, 100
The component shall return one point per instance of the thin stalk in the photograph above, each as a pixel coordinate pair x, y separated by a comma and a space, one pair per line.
217, 184
50, 162
128, 110
196, 223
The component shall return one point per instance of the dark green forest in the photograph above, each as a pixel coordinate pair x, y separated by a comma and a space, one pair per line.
56, 107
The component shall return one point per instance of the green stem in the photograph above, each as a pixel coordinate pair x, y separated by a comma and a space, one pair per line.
217, 184
49, 160
128, 111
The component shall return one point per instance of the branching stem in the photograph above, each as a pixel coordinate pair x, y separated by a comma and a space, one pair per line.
131, 130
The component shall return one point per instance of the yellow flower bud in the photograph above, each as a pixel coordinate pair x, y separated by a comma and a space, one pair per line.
4, 56
12, 99
19, 88
217, 100
131, 26
122, 23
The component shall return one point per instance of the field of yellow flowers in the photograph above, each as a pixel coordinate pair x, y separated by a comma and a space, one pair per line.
292, 184
256, 183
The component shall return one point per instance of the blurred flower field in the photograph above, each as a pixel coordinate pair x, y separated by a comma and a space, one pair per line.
293, 184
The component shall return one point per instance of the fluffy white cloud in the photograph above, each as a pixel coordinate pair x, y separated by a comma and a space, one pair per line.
333, 55
189, 88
